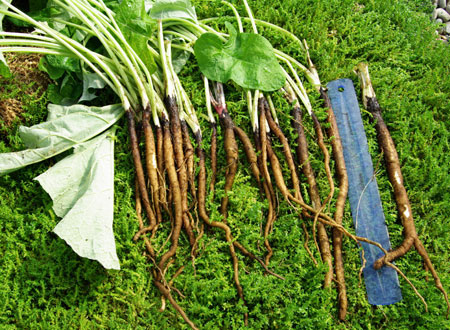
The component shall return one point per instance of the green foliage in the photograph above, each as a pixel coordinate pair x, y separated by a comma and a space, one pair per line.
246, 58
137, 28
55, 66
162, 9
65, 128
37, 4
44, 285
4, 70
77, 182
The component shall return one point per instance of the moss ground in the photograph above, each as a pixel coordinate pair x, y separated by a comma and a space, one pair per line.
45, 285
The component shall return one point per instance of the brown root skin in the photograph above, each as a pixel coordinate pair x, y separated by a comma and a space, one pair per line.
213, 151
324, 241
177, 136
303, 160
322, 234
147, 243
303, 157
401, 199
308, 172
139, 169
279, 180
276, 130
262, 145
278, 174
262, 134
250, 255
326, 155
189, 157
201, 193
271, 215
231, 152
396, 178
266, 180
341, 172
174, 185
151, 163
160, 164
250, 153
166, 292
205, 217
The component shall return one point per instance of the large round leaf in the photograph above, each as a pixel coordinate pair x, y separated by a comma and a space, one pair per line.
248, 59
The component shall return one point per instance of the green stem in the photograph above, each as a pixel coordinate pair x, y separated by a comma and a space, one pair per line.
31, 43
304, 98
134, 57
212, 120
250, 15
236, 14
77, 49
170, 88
93, 18
27, 50
272, 109
261, 23
76, 26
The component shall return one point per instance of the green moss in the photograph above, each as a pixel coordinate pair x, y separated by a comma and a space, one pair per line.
45, 285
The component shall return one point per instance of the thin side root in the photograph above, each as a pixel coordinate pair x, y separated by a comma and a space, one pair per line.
305, 230
409, 282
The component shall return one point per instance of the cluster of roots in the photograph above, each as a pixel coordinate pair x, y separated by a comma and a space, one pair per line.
172, 183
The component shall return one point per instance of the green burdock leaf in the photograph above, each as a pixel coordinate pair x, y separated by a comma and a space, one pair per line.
37, 4
137, 27
44, 15
162, 9
112, 4
179, 59
70, 90
53, 94
71, 64
4, 68
64, 128
53, 72
55, 66
247, 58
91, 82
82, 189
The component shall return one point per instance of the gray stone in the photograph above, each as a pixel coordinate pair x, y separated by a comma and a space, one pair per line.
442, 3
441, 13
439, 21
447, 27
434, 14
448, 7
